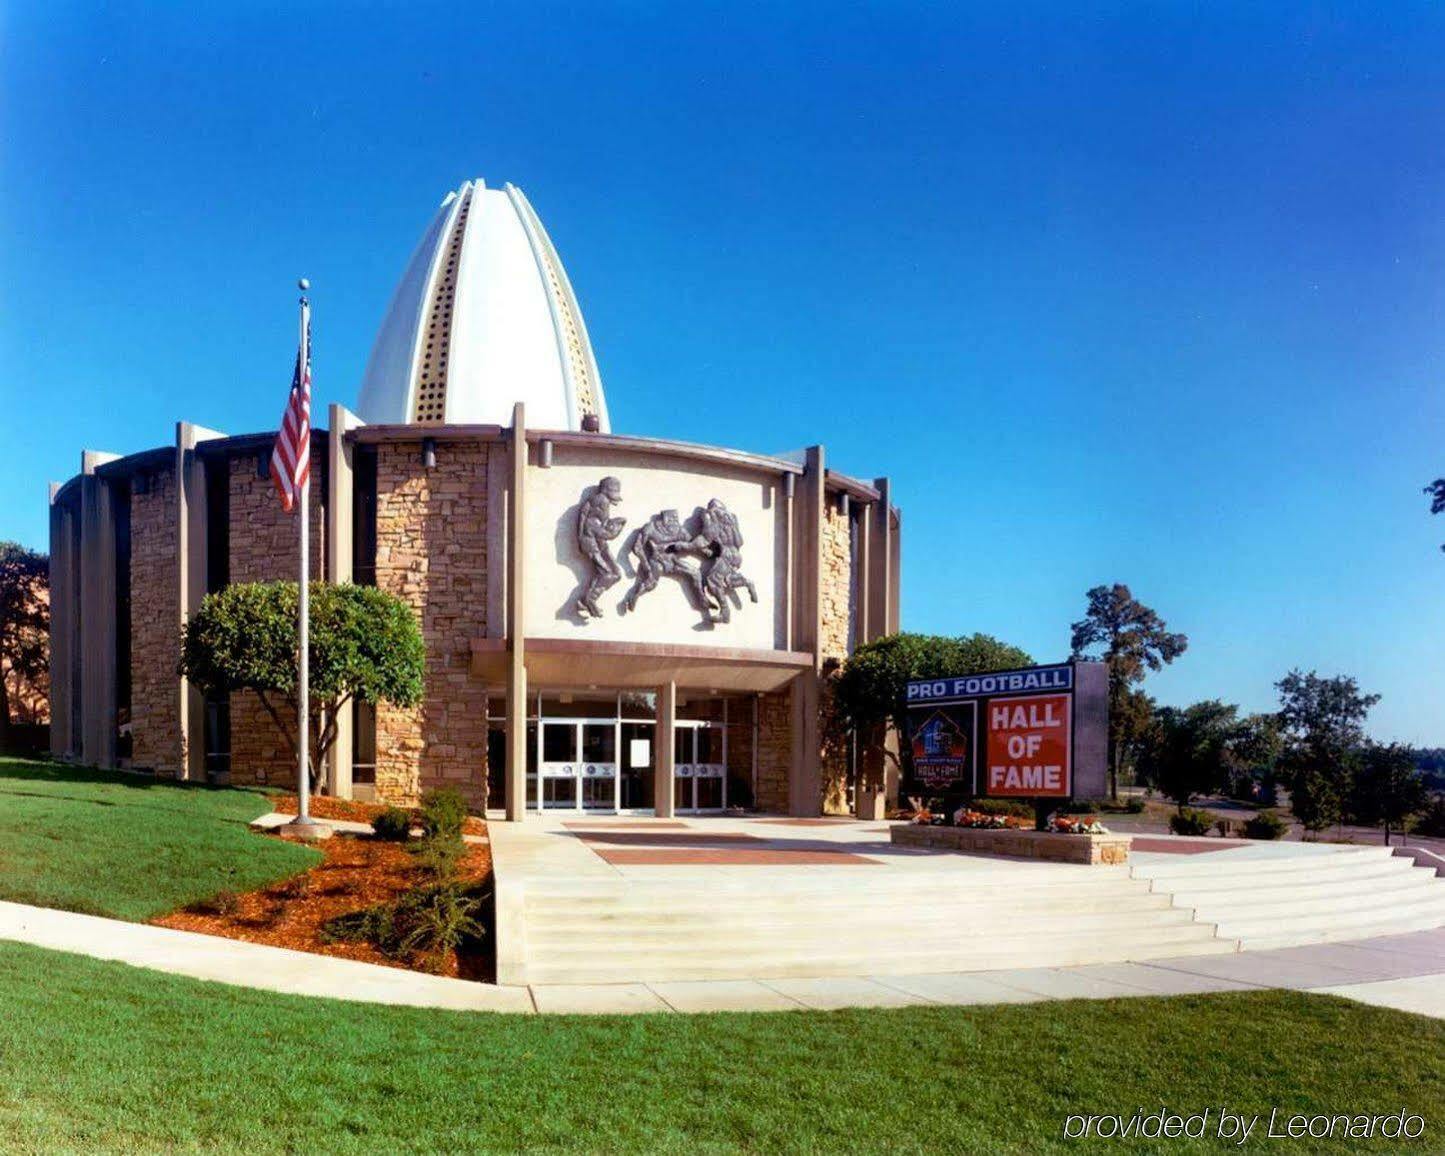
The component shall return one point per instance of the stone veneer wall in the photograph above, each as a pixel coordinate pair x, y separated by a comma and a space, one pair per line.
775, 750
155, 616
835, 604
431, 551
835, 594
263, 549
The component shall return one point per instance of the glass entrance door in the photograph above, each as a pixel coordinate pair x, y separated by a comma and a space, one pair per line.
699, 766
637, 765
579, 765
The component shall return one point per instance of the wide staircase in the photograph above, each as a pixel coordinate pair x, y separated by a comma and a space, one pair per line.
1337, 894
848, 921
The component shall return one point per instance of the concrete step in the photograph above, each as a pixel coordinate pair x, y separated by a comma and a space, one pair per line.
1274, 925
653, 967
887, 915
1299, 898
1328, 869
744, 931
859, 884
707, 905
1344, 934
1219, 865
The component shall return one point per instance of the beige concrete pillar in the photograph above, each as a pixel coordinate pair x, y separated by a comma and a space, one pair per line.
516, 619
805, 782
880, 561
663, 767
191, 553
97, 614
64, 742
340, 502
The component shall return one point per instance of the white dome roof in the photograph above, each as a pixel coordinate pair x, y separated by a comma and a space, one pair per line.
484, 317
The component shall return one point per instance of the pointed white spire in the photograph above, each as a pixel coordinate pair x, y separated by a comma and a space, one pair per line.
484, 316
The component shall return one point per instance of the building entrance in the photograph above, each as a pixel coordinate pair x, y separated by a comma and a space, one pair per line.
591, 752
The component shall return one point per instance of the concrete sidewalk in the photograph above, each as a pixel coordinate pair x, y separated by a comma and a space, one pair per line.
1401, 971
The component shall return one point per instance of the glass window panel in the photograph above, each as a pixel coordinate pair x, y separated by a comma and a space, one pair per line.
709, 745
682, 745
559, 743
639, 704
599, 743
700, 709
579, 705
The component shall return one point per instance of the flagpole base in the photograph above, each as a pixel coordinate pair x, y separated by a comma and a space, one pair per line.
306, 830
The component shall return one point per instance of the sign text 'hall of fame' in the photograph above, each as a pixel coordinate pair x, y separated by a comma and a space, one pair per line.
1028, 745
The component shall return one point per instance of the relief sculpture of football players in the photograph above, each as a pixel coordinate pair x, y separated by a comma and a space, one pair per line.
719, 539
595, 528
657, 550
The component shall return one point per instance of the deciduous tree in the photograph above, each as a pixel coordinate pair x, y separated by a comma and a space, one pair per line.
24, 625
1436, 490
365, 646
1388, 788
1187, 753
1132, 640
1323, 725
869, 690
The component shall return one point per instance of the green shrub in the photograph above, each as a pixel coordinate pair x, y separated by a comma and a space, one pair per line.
444, 813
423, 926
1265, 825
1002, 807
223, 902
435, 921
393, 825
1432, 819
439, 855
1191, 822
1079, 807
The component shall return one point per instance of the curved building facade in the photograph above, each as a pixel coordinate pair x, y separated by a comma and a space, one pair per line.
612, 623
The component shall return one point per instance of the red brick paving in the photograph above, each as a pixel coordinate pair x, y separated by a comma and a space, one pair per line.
627, 825
1183, 846
810, 822
706, 857
636, 838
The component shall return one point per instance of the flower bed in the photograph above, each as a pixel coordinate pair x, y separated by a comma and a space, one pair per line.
1053, 846
983, 821
356, 873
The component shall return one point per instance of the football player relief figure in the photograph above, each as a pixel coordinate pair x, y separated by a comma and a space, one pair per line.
707, 560
596, 527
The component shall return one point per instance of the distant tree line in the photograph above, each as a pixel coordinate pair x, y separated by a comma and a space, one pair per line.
1314, 746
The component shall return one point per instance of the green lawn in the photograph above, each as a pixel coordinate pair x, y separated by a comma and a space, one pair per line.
102, 1057
127, 845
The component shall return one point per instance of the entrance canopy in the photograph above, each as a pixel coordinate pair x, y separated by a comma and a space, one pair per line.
573, 662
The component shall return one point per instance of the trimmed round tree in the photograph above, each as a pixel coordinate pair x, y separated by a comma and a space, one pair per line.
365, 647
869, 690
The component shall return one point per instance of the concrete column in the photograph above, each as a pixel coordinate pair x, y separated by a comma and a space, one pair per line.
340, 500
516, 619
880, 567
192, 521
63, 607
862, 586
895, 576
97, 614
663, 750
805, 783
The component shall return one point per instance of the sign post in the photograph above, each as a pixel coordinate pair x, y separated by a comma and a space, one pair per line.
1037, 733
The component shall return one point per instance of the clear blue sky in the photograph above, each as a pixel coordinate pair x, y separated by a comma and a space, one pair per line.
1151, 295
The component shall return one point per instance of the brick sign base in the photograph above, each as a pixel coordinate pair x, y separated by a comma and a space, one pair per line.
1094, 850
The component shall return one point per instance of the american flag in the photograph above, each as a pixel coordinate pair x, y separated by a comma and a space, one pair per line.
291, 458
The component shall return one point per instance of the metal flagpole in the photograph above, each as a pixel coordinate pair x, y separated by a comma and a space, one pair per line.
303, 660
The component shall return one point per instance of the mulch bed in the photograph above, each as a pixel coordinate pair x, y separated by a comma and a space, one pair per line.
351, 811
357, 872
